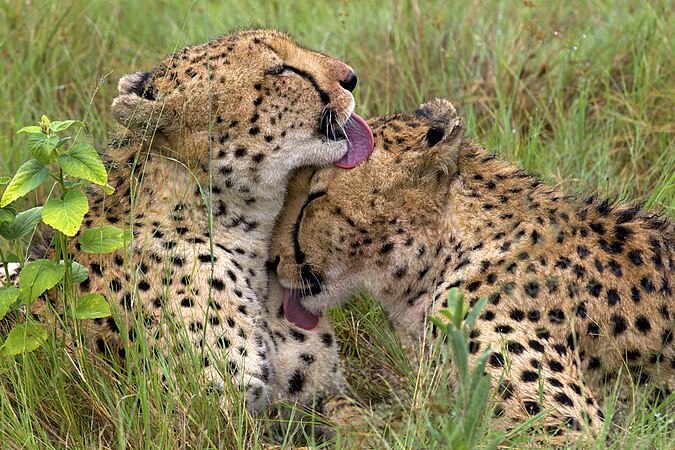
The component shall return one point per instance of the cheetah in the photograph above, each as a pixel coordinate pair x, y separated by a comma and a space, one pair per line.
578, 289
200, 165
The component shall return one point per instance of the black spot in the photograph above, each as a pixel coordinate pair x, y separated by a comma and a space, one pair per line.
543, 333
635, 294
517, 315
504, 329
115, 285
615, 267
582, 251
296, 382
206, 258
505, 389
529, 376
642, 324
473, 286
593, 329
535, 345
298, 336
612, 297
556, 315
563, 399
597, 227
532, 408
327, 339
143, 286
647, 284
515, 347
635, 257
580, 310
555, 365
594, 288
594, 363
496, 359
533, 315
619, 324
532, 289
217, 284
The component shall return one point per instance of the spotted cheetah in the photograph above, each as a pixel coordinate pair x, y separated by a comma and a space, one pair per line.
200, 168
578, 289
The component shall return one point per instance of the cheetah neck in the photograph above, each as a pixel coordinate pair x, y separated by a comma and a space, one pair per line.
167, 195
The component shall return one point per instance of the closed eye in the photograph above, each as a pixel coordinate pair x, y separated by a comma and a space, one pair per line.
280, 71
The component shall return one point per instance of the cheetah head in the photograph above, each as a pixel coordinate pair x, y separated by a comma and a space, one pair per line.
254, 102
341, 231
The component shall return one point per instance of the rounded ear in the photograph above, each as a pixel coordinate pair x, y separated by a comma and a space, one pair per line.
136, 106
444, 136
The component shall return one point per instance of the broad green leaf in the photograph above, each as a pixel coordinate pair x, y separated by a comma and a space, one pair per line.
80, 273
66, 214
104, 239
59, 125
29, 176
7, 214
82, 161
32, 129
8, 296
62, 141
24, 338
42, 147
91, 306
109, 190
23, 223
5, 180
12, 258
38, 276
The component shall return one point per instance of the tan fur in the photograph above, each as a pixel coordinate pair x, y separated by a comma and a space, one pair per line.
229, 112
578, 290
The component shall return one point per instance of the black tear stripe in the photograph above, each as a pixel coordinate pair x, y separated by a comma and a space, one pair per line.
323, 95
298, 253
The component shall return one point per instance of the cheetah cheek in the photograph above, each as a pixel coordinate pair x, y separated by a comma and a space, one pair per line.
296, 313
360, 142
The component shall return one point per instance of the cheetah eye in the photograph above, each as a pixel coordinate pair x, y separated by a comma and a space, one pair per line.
280, 71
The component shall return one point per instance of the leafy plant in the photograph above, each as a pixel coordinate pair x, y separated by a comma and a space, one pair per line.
72, 168
473, 386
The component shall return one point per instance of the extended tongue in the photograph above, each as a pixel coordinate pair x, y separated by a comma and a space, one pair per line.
296, 313
360, 142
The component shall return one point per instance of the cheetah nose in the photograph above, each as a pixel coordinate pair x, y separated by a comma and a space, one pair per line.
349, 82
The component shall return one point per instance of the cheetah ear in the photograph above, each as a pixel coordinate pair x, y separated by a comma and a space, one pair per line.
445, 134
135, 105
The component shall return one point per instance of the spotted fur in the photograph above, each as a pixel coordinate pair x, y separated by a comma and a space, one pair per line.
213, 132
578, 289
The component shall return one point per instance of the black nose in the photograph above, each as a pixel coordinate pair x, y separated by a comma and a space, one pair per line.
349, 83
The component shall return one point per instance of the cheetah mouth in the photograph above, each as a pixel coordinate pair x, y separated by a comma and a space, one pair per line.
295, 312
356, 132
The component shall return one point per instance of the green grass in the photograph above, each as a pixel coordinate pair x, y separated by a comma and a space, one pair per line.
581, 92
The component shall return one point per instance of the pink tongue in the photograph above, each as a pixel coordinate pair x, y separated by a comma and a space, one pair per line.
360, 142
296, 313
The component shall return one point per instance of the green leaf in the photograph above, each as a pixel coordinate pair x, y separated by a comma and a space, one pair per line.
5, 180
7, 214
38, 276
12, 258
82, 161
24, 338
104, 239
109, 190
59, 125
29, 176
80, 273
91, 306
66, 214
32, 129
23, 223
42, 147
8, 296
